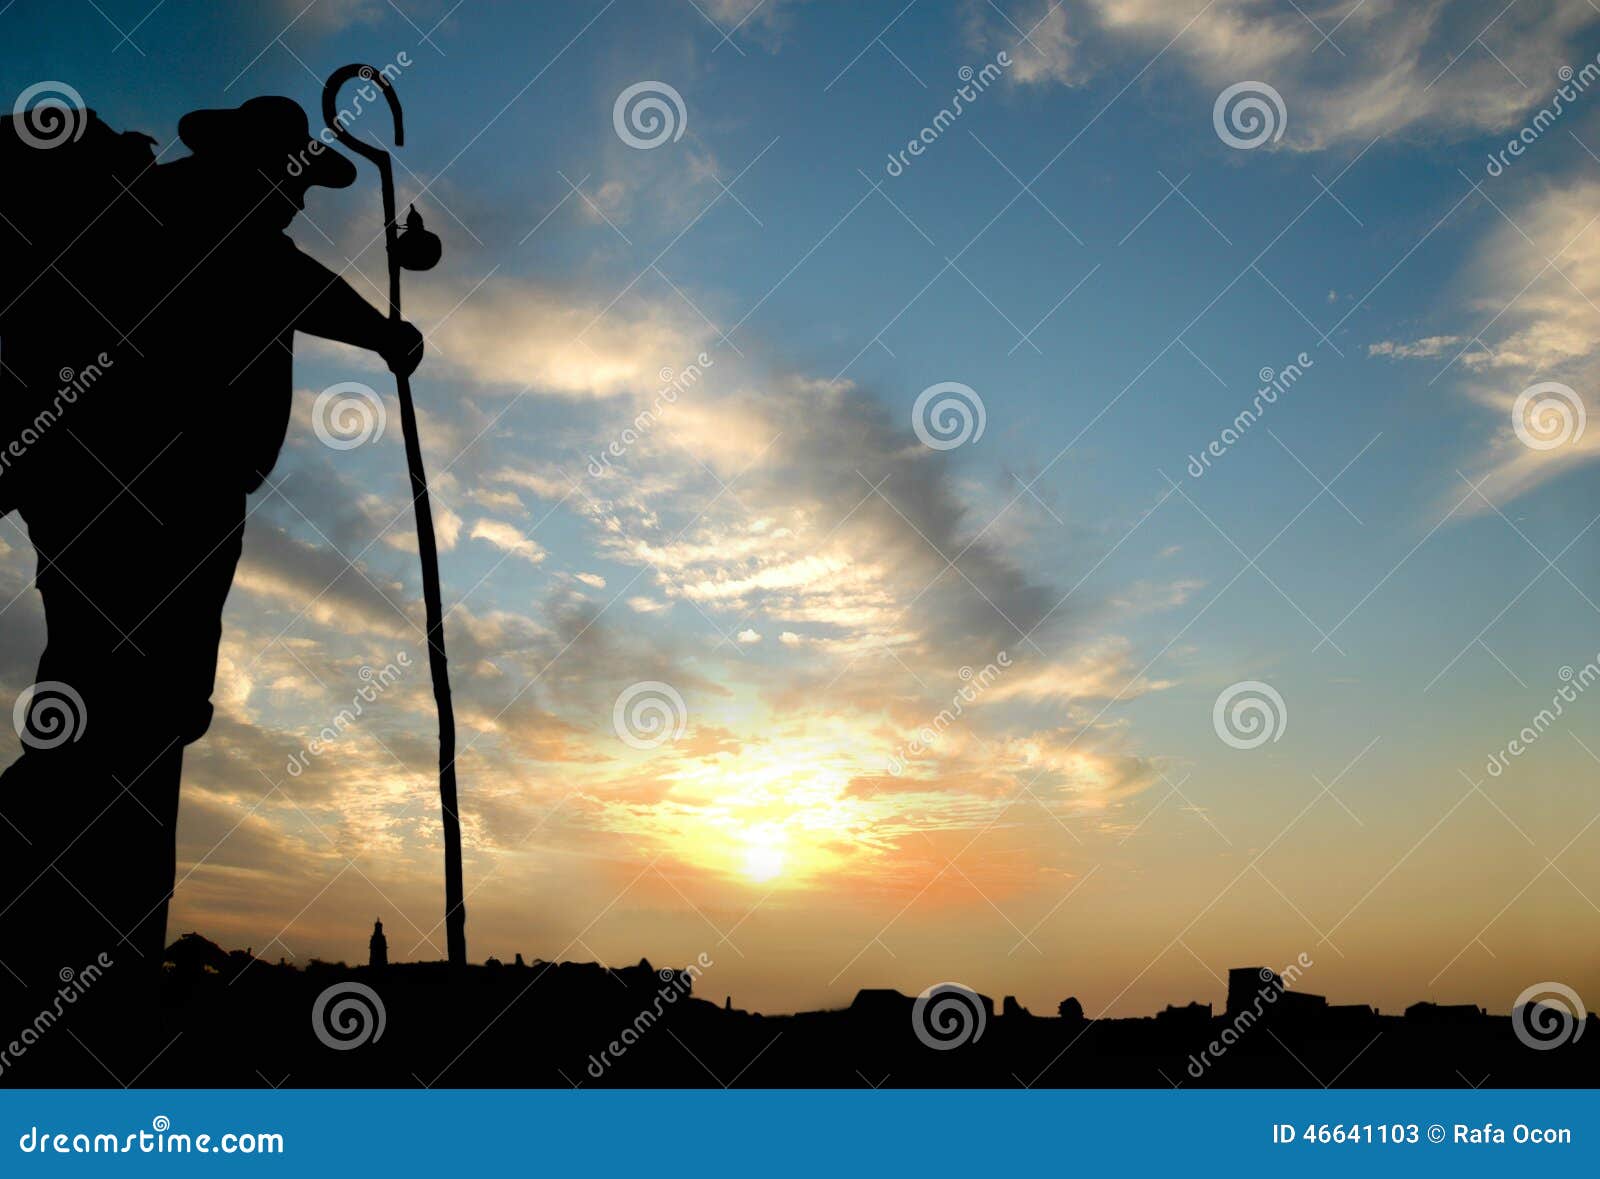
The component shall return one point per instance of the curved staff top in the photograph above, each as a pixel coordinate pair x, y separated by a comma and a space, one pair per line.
415, 249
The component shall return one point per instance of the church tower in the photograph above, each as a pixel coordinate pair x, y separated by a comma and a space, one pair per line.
378, 948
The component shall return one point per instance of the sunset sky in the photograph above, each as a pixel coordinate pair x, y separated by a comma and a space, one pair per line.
1113, 281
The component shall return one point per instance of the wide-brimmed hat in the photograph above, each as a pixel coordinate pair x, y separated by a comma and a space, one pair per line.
269, 134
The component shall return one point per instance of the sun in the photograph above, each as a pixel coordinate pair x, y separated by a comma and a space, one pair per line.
763, 862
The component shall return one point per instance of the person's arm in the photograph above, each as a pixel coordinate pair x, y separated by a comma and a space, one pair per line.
334, 311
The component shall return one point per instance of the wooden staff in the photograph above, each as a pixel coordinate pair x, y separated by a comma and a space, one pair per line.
415, 251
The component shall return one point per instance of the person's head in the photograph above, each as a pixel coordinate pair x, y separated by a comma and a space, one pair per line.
261, 157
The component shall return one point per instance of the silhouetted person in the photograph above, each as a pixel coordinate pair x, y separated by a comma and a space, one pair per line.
134, 498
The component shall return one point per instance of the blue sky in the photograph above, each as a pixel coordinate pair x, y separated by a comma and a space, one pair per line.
1084, 251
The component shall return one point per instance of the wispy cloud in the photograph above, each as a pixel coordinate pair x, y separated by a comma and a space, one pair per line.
509, 539
1347, 72
1532, 288
513, 335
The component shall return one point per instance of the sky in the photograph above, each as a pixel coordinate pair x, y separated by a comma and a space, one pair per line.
1105, 544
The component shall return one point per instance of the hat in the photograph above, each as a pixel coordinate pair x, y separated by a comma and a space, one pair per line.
270, 134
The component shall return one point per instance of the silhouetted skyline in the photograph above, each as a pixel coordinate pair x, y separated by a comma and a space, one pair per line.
239, 1019
925, 494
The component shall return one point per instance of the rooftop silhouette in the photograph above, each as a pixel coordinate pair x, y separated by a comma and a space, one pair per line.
234, 1019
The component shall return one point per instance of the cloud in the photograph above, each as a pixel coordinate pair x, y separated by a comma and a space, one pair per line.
534, 733
1145, 597
489, 497
512, 335
764, 20
1070, 775
1533, 288
1035, 35
1428, 346
839, 519
1389, 66
508, 538
1551, 247
606, 204
542, 484
1100, 670
318, 584
331, 16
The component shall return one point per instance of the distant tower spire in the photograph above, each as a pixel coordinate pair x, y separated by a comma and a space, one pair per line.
378, 948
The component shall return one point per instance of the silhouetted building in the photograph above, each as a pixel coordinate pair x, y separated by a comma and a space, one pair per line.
1343, 1018
881, 1003
378, 948
1259, 991
1302, 1005
1246, 985
1446, 1013
885, 1005
194, 954
1192, 1017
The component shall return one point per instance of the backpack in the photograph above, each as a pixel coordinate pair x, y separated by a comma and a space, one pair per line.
70, 233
